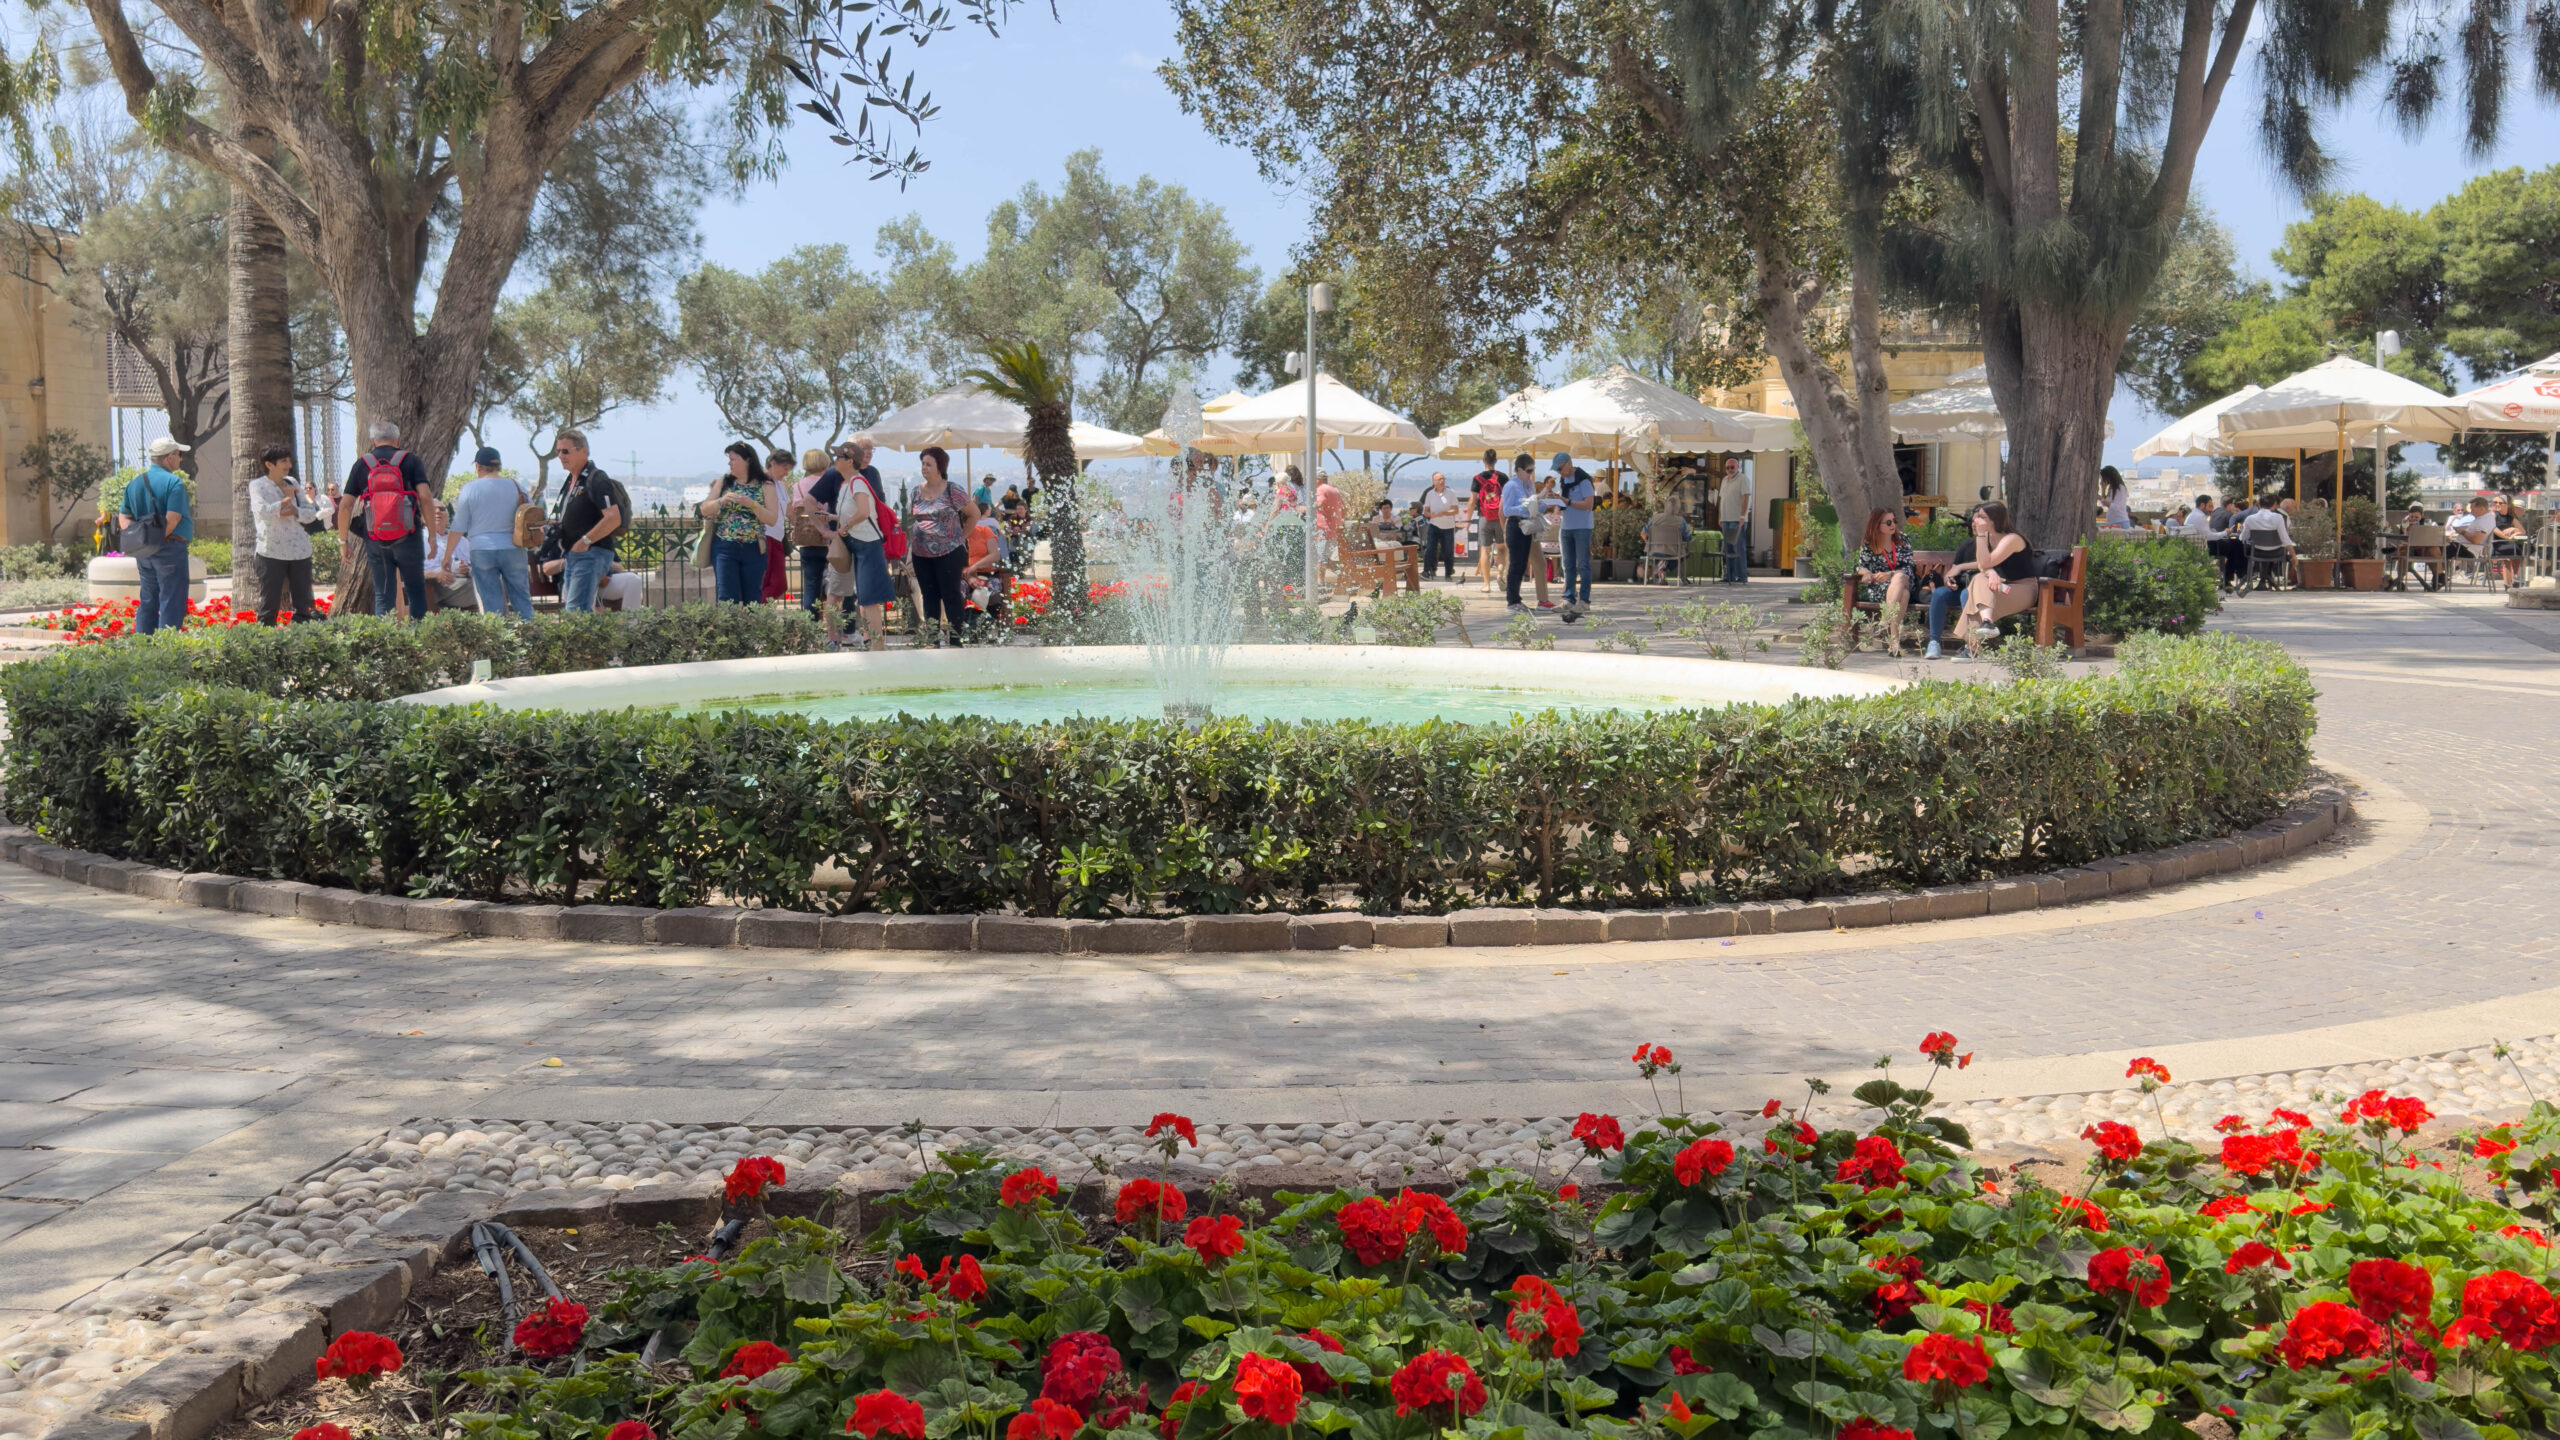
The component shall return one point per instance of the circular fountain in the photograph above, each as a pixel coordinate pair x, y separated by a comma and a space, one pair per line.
1257, 682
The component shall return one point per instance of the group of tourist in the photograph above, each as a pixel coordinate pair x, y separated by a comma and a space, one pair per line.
1993, 576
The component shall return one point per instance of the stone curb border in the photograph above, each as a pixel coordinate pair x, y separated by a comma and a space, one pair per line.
269, 1351
2307, 822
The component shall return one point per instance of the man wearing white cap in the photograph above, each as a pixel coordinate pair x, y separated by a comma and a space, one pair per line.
155, 522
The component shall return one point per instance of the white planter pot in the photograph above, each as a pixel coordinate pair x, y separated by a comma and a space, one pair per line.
119, 577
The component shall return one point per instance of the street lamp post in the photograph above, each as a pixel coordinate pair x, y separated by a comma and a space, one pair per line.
2385, 345
1319, 302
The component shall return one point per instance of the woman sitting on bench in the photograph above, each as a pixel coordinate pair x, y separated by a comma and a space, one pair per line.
1997, 571
1884, 570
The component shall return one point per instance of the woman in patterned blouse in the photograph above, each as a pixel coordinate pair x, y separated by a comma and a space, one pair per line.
1884, 571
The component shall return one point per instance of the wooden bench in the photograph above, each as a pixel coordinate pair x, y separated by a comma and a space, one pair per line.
1376, 572
2060, 601
1926, 567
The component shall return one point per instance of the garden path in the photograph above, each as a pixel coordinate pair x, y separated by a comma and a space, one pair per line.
160, 1066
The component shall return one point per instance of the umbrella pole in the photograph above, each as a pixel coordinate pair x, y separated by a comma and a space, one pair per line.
2252, 496
2338, 481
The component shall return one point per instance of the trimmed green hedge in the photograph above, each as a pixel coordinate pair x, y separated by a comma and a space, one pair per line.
256, 752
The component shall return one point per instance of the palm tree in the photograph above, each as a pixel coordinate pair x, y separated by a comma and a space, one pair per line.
1023, 375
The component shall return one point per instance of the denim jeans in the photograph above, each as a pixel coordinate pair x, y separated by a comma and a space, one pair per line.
581, 571
503, 576
1577, 566
1442, 546
737, 571
813, 577
403, 561
1522, 550
164, 589
1944, 602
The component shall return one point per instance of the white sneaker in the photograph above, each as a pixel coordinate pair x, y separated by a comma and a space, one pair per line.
1934, 652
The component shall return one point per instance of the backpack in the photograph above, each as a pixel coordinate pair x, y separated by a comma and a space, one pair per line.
893, 536
526, 531
386, 499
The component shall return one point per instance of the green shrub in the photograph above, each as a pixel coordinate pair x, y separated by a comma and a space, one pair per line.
1403, 619
2156, 583
2299, 1279
216, 555
266, 752
38, 562
48, 594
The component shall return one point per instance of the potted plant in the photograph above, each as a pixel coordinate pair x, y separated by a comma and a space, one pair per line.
2315, 541
2359, 525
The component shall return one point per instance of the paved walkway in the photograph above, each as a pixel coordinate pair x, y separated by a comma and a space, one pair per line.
159, 1066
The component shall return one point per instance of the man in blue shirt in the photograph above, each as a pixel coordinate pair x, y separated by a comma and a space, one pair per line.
484, 515
1519, 503
1574, 484
157, 511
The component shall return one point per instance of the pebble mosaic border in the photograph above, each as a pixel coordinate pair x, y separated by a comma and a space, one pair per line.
2305, 823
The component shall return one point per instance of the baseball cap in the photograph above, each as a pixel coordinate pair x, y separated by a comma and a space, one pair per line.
1564, 461
487, 455
165, 445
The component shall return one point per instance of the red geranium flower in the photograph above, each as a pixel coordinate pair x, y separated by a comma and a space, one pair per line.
2147, 1069
1311, 1375
913, 1267
1863, 1428
1540, 1313
1418, 1210
2325, 1330
1649, 1058
1995, 1318
754, 1360
1045, 1420
2519, 1311
1026, 1187
1801, 1138
1684, 1363
2230, 1124
2115, 1140
1142, 1196
552, 1331
2404, 1113
1702, 1158
885, 1412
2390, 1290
1215, 1237
1893, 1299
2227, 1205
1370, 1232
2132, 1270
2082, 1212
1434, 1378
1266, 1389
749, 1176
1568, 1192
1961, 1361
2256, 1154
1178, 1124
326, 1431
1076, 1368
357, 1357
2492, 1145
961, 1281
1938, 1047
2527, 1234
1770, 1110
2294, 1118
2310, 1207
1876, 1163
1183, 1394
625, 1430
1599, 1132
2251, 1256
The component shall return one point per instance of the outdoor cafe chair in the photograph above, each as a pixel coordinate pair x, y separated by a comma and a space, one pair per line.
2270, 568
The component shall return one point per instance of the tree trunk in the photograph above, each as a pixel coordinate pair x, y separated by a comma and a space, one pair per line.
1054, 456
2053, 373
1850, 447
261, 353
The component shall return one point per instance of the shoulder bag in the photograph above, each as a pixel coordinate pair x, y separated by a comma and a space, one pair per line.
526, 530
710, 523
141, 536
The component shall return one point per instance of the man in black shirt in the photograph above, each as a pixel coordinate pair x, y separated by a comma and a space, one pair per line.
591, 516
409, 511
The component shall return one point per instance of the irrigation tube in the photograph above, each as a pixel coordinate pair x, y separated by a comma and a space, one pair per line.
490, 1243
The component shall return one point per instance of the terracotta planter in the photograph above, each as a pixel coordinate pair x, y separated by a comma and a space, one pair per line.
2364, 574
2319, 574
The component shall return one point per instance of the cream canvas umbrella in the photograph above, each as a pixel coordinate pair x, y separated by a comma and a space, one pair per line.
1960, 409
961, 416
1467, 438
2528, 400
2317, 409
1091, 442
1159, 443
1619, 411
1277, 422
2200, 432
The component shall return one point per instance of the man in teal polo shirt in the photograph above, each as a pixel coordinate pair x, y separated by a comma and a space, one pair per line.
156, 509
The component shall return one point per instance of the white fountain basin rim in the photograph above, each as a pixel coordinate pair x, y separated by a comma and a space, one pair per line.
759, 681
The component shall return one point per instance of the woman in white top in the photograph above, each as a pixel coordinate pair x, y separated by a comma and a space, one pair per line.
282, 505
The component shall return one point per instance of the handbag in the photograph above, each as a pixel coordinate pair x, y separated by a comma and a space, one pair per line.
702, 547
527, 528
142, 538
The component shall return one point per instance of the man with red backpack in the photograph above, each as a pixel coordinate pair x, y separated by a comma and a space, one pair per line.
388, 505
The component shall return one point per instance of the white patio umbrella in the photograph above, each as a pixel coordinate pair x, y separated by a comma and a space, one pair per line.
2527, 400
2318, 407
1159, 443
1466, 439
1091, 442
963, 415
1277, 423
2200, 432
1961, 409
